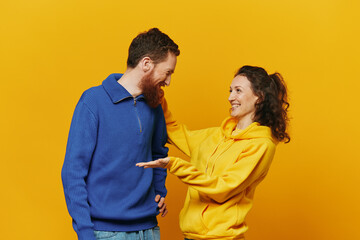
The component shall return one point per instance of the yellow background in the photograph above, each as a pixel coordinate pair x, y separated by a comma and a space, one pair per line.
51, 51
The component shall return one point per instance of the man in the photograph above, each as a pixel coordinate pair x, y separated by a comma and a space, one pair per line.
114, 126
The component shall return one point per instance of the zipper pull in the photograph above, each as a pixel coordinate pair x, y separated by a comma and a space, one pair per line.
134, 101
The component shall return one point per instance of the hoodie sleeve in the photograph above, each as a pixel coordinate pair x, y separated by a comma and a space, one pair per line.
180, 136
159, 151
250, 166
80, 147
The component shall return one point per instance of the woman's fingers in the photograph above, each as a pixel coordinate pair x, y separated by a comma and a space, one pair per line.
160, 163
152, 164
145, 164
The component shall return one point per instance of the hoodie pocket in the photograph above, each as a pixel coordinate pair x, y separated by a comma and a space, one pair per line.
220, 219
202, 217
191, 218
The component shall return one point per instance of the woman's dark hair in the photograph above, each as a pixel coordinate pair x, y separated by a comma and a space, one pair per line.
153, 44
272, 107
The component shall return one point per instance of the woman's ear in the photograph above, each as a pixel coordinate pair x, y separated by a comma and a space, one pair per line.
260, 98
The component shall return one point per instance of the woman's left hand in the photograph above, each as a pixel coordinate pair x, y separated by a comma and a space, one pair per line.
160, 163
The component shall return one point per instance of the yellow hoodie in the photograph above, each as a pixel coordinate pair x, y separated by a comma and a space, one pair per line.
224, 169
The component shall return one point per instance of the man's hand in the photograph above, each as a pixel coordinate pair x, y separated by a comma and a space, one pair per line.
161, 205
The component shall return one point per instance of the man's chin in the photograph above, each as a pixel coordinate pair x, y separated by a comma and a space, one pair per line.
161, 94
152, 93
153, 98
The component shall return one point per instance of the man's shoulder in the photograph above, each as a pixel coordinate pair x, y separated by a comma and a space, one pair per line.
92, 93
158, 111
93, 98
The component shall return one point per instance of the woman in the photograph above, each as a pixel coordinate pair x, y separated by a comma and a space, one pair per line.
228, 162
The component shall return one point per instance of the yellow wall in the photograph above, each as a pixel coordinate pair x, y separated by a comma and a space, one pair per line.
51, 51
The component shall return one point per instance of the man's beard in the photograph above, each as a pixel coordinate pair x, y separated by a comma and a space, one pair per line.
152, 93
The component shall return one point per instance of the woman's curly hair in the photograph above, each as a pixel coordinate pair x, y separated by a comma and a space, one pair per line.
272, 106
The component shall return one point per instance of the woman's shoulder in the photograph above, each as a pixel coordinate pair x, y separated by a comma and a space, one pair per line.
265, 143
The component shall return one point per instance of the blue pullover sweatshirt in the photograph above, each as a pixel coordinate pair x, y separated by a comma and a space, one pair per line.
110, 132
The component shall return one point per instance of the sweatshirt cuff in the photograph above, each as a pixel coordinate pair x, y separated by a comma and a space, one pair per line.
86, 234
171, 162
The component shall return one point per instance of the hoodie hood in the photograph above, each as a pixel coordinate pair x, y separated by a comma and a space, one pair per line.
254, 130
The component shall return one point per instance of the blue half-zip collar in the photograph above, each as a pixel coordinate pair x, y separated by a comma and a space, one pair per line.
116, 91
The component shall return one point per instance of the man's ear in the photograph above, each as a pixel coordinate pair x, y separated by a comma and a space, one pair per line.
146, 64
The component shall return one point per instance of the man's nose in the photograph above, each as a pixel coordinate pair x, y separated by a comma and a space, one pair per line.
167, 81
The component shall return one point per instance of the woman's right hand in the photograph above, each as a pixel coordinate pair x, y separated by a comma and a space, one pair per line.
160, 163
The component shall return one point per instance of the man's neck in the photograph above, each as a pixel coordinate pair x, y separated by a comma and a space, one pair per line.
130, 81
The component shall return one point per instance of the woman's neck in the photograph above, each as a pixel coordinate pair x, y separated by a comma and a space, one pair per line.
244, 123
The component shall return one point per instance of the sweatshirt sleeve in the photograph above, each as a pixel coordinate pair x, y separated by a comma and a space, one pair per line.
180, 136
251, 166
80, 147
159, 151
